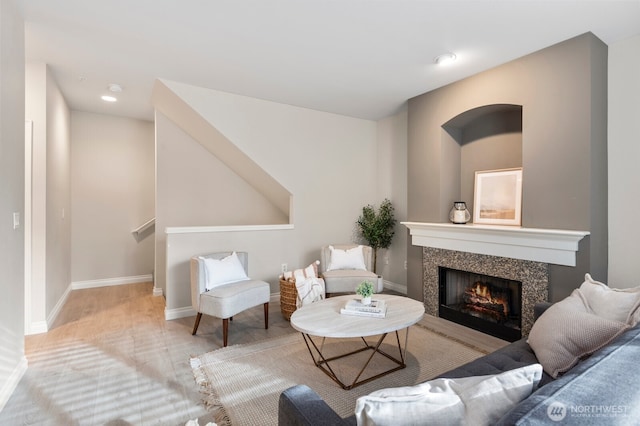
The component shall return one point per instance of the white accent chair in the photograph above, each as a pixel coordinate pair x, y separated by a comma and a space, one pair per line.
226, 300
346, 280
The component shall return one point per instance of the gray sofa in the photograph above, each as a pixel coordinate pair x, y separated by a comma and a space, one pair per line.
603, 389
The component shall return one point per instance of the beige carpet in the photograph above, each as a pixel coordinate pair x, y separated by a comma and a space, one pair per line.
242, 383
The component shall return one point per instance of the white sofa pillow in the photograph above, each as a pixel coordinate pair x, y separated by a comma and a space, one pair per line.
477, 400
352, 258
223, 271
611, 303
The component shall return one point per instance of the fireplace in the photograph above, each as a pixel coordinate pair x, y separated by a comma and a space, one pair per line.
489, 304
533, 276
508, 252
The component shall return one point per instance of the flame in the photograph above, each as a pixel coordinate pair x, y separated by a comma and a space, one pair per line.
483, 291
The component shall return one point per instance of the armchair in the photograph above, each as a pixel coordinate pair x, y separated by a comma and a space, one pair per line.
350, 268
221, 288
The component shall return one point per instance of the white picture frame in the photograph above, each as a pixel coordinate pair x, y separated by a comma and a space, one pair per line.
497, 198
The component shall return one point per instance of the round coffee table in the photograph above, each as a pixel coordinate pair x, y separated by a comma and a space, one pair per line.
323, 319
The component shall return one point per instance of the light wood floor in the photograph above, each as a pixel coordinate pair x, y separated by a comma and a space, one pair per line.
112, 359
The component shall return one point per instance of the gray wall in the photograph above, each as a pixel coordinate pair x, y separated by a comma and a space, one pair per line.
623, 155
562, 90
391, 178
13, 363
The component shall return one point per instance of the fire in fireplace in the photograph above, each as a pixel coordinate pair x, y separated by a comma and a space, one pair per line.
488, 304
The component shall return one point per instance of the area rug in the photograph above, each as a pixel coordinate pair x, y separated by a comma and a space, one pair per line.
242, 383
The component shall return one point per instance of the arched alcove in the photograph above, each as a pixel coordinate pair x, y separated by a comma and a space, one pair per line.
484, 138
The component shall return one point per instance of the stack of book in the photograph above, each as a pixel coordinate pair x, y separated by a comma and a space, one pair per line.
376, 309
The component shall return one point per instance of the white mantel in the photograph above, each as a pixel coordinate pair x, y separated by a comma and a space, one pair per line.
553, 246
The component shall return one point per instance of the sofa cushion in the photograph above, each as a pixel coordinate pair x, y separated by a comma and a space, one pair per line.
611, 303
300, 406
514, 355
478, 400
603, 389
569, 331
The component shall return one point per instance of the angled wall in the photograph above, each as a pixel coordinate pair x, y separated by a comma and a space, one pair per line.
327, 162
195, 188
186, 114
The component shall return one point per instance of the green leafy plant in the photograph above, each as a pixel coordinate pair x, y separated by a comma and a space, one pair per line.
365, 289
377, 227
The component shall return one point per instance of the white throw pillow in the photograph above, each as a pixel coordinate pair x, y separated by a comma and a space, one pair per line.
477, 400
223, 271
352, 258
611, 303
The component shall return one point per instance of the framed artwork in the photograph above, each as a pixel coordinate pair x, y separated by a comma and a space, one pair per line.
497, 198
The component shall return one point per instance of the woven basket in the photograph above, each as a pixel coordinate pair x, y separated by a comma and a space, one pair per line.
288, 296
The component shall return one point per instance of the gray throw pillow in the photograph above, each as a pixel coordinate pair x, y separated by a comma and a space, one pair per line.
569, 331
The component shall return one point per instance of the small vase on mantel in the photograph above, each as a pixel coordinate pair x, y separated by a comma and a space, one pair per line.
459, 213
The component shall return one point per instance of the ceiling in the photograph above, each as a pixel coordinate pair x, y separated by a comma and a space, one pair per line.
360, 58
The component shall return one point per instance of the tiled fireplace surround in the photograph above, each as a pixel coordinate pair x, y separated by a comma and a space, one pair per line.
513, 253
533, 275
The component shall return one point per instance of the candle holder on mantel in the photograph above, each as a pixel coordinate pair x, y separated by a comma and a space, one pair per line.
459, 213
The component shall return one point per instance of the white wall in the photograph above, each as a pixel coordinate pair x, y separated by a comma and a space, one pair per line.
623, 156
36, 112
328, 162
194, 188
13, 363
50, 197
112, 175
58, 204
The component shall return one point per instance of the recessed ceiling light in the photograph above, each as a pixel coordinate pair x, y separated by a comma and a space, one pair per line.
445, 58
108, 98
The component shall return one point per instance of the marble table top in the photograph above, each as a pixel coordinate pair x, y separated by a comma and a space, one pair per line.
323, 318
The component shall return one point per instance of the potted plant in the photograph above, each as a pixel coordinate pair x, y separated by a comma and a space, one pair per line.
365, 290
377, 228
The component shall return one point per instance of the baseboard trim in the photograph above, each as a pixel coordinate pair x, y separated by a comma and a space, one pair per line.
395, 287
56, 309
157, 291
188, 311
12, 382
80, 285
37, 327
171, 314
